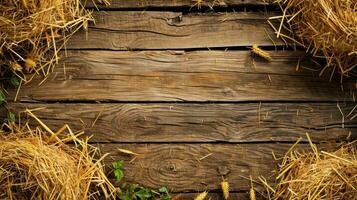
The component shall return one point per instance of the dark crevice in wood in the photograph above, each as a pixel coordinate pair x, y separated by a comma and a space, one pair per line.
194, 9
303, 141
135, 31
216, 142
228, 48
34, 101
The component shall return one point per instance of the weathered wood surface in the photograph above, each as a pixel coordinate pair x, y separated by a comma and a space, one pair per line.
178, 166
214, 195
137, 4
140, 89
179, 76
245, 122
172, 30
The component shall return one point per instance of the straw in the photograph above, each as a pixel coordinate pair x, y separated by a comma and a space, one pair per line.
32, 32
326, 28
317, 174
37, 163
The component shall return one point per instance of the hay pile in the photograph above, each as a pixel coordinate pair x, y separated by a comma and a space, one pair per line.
33, 31
318, 175
326, 28
38, 164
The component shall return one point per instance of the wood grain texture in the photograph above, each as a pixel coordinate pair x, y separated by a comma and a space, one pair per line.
214, 196
183, 76
246, 122
178, 166
238, 134
137, 4
173, 30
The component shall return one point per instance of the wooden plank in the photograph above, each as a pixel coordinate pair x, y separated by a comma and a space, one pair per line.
140, 4
178, 166
215, 196
183, 76
246, 122
173, 30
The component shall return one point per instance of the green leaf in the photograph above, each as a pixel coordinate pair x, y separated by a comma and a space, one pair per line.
15, 81
164, 190
118, 173
118, 164
143, 194
11, 117
133, 188
124, 196
2, 97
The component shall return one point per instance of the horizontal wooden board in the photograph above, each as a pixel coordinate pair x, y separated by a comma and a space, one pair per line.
183, 168
246, 122
173, 30
183, 76
136, 4
213, 196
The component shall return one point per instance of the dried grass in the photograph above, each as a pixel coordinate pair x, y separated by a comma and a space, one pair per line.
252, 195
318, 174
225, 189
32, 32
261, 53
326, 28
201, 196
36, 163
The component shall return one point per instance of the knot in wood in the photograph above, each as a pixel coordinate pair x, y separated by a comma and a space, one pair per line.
172, 167
223, 170
174, 21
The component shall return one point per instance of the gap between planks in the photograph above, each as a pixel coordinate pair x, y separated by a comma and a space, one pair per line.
164, 4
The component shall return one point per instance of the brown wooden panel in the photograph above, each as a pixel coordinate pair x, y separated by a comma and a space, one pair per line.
214, 196
183, 76
122, 4
246, 122
172, 30
178, 166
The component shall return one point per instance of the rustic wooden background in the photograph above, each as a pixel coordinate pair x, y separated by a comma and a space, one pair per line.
176, 84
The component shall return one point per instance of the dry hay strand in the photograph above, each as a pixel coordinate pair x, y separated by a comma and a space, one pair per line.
261, 53
318, 174
326, 28
35, 163
225, 189
201, 196
252, 195
32, 32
